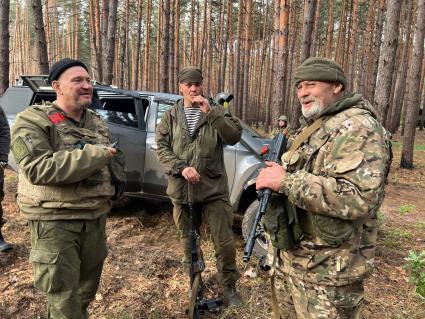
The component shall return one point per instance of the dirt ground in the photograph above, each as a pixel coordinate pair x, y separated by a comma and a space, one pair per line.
142, 276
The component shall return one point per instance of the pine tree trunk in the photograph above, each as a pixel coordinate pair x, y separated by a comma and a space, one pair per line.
146, 69
165, 46
330, 29
281, 59
138, 45
400, 83
387, 59
109, 53
40, 37
414, 80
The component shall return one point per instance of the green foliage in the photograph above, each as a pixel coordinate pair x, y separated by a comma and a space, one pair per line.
406, 209
416, 263
394, 237
420, 225
381, 218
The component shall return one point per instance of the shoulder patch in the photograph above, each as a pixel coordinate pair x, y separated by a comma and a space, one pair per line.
56, 117
19, 149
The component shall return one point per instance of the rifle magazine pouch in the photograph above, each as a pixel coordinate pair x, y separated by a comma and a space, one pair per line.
118, 174
281, 223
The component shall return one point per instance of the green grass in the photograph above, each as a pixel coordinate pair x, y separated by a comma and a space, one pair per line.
393, 238
398, 145
420, 225
406, 209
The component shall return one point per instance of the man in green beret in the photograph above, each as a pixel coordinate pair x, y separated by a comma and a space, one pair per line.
332, 185
190, 139
65, 189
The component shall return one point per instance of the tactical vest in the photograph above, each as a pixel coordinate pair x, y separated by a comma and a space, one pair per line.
88, 194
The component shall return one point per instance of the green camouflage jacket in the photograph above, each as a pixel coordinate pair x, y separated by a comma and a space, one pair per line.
63, 165
336, 180
203, 151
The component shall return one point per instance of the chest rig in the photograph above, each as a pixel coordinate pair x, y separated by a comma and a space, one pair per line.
89, 193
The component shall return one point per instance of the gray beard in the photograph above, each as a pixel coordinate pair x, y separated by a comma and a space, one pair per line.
313, 111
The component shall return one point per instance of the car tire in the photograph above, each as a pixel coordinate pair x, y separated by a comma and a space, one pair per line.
261, 244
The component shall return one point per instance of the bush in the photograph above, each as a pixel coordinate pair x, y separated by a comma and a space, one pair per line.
417, 266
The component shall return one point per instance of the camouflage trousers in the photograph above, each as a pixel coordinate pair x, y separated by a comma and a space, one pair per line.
305, 300
67, 258
219, 216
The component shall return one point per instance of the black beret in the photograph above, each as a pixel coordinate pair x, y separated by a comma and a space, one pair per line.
61, 66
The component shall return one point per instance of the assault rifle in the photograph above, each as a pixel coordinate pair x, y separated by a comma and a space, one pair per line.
277, 147
197, 305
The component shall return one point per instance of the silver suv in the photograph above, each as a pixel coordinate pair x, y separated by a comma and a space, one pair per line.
132, 118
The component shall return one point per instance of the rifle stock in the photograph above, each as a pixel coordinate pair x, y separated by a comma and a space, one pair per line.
278, 146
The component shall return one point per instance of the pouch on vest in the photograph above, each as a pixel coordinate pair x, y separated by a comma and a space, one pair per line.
117, 168
281, 223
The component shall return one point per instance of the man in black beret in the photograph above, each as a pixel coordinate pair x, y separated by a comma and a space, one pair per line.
190, 139
65, 190
332, 185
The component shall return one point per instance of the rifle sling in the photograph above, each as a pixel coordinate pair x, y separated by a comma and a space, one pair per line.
194, 295
305, 134
275, 304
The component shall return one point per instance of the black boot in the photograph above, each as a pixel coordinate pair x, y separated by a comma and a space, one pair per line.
231, 296
3, 245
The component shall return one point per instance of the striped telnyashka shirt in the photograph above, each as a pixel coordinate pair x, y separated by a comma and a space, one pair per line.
192, 117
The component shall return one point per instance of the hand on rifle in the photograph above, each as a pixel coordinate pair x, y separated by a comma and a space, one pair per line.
270, 177
191, 175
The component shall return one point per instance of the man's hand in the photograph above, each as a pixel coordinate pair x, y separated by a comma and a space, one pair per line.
270, 177
191, 175
111, 151
203, 103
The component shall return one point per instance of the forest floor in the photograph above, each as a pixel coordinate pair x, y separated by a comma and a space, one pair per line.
142, 277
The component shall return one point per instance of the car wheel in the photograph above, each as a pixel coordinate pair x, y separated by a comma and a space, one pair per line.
261, 244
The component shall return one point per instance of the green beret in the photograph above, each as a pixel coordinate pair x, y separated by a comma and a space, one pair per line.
320, 69
190, 74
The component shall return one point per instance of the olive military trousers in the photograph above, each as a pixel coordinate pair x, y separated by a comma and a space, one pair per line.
67, 258
219, 216
299, 299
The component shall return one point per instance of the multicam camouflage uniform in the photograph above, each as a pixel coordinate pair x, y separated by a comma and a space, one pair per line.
64, 192
336, 180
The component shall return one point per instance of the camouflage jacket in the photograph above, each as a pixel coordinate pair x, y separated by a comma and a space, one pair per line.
63, 164
336, 180
177, 149
284, 130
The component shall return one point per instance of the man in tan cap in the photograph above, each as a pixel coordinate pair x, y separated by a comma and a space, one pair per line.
332, 185
190, 139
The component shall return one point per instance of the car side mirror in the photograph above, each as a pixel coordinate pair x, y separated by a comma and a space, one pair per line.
223, 97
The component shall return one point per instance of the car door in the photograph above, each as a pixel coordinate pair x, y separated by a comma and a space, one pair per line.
155, 180
125, 118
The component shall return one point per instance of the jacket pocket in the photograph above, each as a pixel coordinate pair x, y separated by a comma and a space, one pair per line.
333, 230
213, 169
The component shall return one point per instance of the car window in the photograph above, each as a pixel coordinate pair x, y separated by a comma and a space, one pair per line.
162, 108
121, 111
